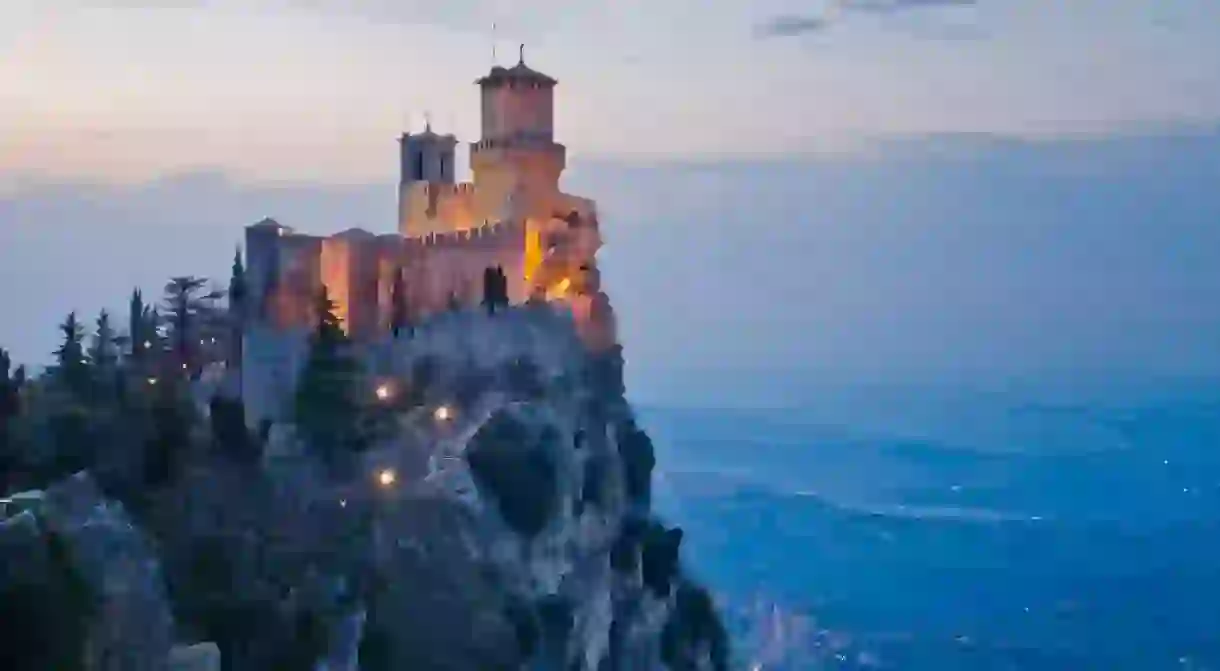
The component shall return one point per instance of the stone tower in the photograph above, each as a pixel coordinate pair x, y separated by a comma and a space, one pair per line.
517, 151
425, 157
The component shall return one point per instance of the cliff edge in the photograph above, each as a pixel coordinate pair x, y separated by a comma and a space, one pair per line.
499, 518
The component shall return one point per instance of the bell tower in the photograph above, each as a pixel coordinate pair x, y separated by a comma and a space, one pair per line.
517, 148
423, 158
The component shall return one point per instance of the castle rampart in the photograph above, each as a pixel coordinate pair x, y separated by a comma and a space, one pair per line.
512, 216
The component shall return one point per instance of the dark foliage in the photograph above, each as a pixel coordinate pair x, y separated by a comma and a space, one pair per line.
518, 470
625, 553
639, 458
523, 378
659, 558
71, 367
230, 436
495, 289
331, 395
45, 619
166, 449
694, 632
400, 312
526, 628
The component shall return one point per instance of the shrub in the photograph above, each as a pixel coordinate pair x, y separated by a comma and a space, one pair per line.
693, 629
659, 558
639, 458
518, 469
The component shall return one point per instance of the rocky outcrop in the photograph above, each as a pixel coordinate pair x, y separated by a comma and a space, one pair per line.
88, 581
501, 521
531, 525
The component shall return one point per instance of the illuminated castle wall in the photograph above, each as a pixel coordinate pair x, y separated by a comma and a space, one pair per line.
512, 215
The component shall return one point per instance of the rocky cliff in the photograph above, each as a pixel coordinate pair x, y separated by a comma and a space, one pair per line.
500, 520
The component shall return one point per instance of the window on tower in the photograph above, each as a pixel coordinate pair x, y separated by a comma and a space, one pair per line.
419, 166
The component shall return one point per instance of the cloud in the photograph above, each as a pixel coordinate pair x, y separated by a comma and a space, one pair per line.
791, 26
888, 6
794, 25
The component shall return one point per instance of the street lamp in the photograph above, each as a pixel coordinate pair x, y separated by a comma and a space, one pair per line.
386, 477
443, 413
384, 392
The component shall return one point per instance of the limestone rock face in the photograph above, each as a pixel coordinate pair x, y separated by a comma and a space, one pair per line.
133, 625
82, 587
528, 542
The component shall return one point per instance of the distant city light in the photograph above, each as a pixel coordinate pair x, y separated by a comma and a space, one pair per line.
384, 392
152, 380
147, 344
443, 413
386, 477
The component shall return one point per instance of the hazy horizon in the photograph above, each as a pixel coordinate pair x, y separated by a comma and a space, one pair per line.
960, 261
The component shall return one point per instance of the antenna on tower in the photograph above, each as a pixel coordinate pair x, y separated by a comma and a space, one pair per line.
521, 55
427, 122
493, 43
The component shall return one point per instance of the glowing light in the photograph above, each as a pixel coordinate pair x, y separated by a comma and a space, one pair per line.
443, 413
342, 503
383, 392
147, 344
152, 380
559, 290
386, 477
183, 366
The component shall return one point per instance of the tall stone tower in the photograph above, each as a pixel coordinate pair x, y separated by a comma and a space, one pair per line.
517, 151
425, 157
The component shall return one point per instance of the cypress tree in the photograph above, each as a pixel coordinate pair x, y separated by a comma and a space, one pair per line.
330, 395
399, 313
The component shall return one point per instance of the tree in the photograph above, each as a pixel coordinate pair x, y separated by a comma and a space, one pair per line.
137, 327
10, 407
489, 290
186, 304
237, 308
72, 368
502, 286
328, 405
399, 313
495, 289
102, 350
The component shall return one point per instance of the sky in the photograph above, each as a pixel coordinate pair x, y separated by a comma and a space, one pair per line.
866, 191
316, 89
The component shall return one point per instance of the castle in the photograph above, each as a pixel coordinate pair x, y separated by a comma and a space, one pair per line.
512, 217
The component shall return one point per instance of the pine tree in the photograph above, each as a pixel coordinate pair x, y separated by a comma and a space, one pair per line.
72, 367
102, 349
186, 304
329, 398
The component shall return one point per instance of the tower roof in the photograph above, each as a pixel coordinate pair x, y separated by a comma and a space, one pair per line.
519, 73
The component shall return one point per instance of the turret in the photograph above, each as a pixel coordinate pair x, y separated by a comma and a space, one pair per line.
427, 158
518, 142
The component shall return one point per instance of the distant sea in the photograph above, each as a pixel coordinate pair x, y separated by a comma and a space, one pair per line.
929, 533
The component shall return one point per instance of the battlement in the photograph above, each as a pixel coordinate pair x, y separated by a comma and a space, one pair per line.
441, 189
488, 234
